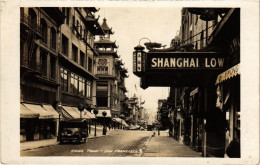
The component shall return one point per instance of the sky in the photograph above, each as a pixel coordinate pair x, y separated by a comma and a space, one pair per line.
129, 26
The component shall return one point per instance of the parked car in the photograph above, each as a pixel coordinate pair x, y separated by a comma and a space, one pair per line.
73, 130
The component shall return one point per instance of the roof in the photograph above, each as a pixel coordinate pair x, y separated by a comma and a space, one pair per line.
105, 27
106, 43
103, 52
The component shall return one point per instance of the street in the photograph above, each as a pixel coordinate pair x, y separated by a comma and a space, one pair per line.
118, 143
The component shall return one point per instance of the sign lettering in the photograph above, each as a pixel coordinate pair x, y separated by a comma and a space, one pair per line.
185, 60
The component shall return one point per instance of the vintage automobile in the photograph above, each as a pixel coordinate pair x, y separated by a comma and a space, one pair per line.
73, 130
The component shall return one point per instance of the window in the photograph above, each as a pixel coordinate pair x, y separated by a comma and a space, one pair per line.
64, 45
32, 18
43, 62
102, 70
102, 94
82, 56
44, 31
53, 38
32, 59
64, 79
68, 16
74, 53
81, 86
88, 89
53, 67
89, 64
74, 83
73, 24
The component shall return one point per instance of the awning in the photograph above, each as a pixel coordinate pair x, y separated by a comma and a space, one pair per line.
120, 121
51, 110
26, 113
39, 109
101, 111
89, 114
71, 111
232, 72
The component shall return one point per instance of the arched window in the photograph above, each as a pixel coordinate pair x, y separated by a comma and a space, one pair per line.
32, 18
44, 30
53, 38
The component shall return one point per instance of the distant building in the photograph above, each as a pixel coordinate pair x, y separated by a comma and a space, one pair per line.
110, 85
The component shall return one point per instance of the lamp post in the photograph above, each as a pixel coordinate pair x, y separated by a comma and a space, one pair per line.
88, 107
59, 109
121, 117
104, 113
80, 108
95, 112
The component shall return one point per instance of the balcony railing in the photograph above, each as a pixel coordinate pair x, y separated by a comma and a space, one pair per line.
27, 20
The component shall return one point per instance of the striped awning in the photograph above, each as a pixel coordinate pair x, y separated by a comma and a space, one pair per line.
43, 114
51, 110
71, 112
232, 72
89, 114
27, 113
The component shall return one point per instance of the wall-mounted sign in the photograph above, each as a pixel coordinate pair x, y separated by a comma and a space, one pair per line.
185, 60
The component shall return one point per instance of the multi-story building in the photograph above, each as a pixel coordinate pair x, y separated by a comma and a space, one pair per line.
133, 105
39, 78
110, 85
76, 58
57, 66
201, 113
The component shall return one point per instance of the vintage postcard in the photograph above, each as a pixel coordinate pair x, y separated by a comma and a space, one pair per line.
127, 82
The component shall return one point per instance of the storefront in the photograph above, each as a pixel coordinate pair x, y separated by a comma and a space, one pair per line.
37, 122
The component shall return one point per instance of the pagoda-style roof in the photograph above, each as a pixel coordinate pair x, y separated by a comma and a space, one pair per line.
107, 53
105, 27
93, 26
106, 43
119, 62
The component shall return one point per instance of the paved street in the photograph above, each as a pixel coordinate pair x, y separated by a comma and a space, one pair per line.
118, 143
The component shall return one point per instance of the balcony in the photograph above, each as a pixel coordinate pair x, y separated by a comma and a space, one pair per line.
28, 24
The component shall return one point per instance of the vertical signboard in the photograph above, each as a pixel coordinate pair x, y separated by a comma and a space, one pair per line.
139, 61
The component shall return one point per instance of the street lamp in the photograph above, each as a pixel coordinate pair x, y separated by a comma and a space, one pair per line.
104, 113
80, 108
95, 112
121, 117
88, 107
59, 109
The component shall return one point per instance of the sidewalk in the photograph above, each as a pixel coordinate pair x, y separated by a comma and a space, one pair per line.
165, 146
28, 145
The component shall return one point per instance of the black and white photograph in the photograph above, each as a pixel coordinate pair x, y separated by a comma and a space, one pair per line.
106, 81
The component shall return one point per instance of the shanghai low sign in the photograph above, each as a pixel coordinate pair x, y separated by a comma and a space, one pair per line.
184, 60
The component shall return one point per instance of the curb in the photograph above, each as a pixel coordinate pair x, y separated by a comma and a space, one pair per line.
40, 147
57, 143
145, 144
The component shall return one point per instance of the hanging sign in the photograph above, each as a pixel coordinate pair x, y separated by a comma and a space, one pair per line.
185, 60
